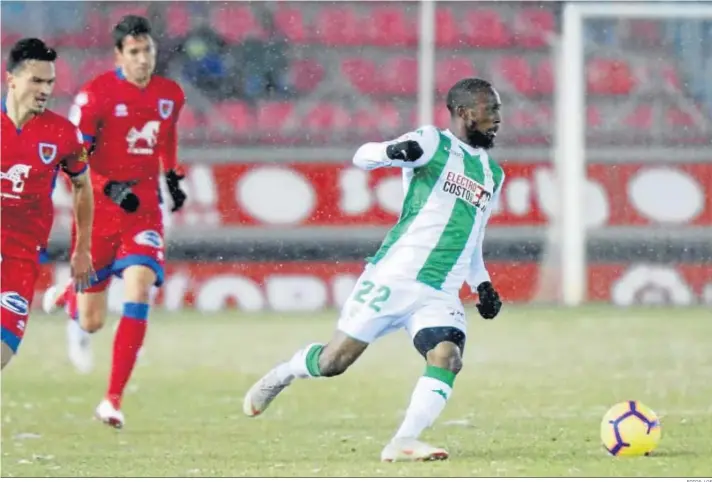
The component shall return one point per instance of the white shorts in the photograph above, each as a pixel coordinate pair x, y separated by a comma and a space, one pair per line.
378, 306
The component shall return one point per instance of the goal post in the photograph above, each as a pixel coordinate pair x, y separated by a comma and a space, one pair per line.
570, 135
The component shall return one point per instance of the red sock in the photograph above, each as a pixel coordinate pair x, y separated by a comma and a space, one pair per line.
68, 299
127, 343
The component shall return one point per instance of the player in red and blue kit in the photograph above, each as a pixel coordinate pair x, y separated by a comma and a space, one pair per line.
128, 117
36, 144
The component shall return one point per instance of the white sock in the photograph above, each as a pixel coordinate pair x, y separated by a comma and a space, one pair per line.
429, 397
303, 364
77, 329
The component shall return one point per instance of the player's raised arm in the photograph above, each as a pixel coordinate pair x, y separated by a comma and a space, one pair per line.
77, 168
411, 150
478, 278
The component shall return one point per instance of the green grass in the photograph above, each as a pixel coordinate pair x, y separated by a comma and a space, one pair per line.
528, 403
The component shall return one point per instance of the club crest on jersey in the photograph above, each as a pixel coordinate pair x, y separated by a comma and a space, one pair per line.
47, 152
165, 108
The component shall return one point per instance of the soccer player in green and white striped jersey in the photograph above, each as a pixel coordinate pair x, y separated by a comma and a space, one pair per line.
413, 281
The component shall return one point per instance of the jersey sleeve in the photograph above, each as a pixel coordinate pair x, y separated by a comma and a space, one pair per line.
75, 163
169, 151
372, 155
85, 113
478, 272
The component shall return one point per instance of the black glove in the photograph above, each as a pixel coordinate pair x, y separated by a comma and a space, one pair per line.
490, 303
173, 181
408, 151
121, 194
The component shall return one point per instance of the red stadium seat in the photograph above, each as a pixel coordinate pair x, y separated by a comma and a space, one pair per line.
609, 77
544, 78
449, 71
522, 118
447, 32
401, 76
670, 75
533, 26
237, 115
593, 117
388, 117
305, 75
646, 32
188, 120
676, 117
641, 118
93, 66
326, 118
178, 20
66, 83
361, 73
336, 26
517, 72
273, 118
391, 27
234, 22
289, 21
485, 28
441, 116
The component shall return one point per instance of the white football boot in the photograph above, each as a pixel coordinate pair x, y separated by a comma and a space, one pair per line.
108, 414
411, 450
261, 394
50, 298
79, 347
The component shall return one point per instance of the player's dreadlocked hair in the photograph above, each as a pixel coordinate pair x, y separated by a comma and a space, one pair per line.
29, 49
130, 26
463, 91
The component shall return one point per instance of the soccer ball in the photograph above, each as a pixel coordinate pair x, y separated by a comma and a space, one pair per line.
630, 428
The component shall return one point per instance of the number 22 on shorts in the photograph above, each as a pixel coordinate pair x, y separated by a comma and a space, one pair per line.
372, 295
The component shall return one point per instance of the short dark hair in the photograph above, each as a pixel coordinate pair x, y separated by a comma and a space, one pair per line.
130, 26
462, 93
29, 49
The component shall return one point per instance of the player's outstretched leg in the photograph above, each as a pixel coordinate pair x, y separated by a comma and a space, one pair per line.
315, 360
431, 393
128, 340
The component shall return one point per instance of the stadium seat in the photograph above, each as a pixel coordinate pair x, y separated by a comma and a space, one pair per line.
593, 117
676, 117
670, 75
188, 121
335, 26
95, 65
532, 27
178, 20
484, 28
522, 118
388, 118
544, 78
449, 71
401, 76
97, 31
305, 75
289, 21
645, 32
326, 118
447, 32
234, 22
391, 27
517, 72
441, 116
273, 118
640, 119
609, 77
234, 115
361, 74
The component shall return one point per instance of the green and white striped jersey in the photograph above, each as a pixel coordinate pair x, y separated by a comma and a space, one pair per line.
449, 195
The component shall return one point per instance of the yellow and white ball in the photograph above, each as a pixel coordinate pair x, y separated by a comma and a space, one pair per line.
629, 429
